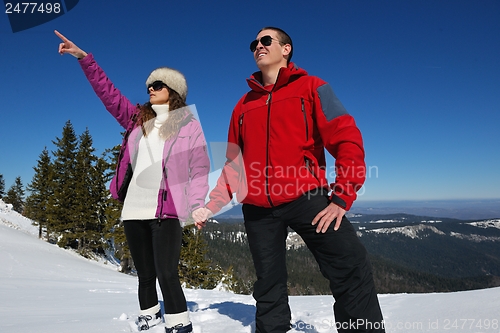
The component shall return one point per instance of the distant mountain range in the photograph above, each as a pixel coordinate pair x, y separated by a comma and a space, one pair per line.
457, 209
441, 246
410, 253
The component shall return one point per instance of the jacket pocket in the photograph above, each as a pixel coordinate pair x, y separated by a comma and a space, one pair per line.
311, 167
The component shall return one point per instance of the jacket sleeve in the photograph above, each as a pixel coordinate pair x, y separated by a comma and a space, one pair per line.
199, 165
232, 178
343, 141
116, 104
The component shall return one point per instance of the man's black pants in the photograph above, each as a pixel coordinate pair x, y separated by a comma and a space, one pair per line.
341, 257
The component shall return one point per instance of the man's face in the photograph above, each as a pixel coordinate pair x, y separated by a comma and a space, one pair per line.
272, 54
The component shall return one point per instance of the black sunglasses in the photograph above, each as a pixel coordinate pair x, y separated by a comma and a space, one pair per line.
264, 40
157, 85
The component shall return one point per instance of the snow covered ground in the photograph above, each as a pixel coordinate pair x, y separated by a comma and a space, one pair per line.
45, 289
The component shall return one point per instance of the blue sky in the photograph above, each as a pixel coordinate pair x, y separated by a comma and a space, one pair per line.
421, 78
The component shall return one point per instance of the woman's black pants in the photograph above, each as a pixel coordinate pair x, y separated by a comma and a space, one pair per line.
155, 246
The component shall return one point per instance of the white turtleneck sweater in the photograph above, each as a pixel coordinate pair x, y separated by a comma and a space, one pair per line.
142, 194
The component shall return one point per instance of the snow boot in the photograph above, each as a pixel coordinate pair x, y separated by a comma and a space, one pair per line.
180, 329
145, 322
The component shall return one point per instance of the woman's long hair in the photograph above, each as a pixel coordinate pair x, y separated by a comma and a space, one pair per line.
177, 112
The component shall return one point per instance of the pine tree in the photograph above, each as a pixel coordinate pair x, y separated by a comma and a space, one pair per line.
60, 211
86, 230
100, 177
2, 186
230, 282
41, 189
115, 233
15, 196
194, 269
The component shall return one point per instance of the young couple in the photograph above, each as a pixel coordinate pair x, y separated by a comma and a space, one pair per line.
284, 122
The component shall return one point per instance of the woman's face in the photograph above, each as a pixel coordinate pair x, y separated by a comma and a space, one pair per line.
159, 96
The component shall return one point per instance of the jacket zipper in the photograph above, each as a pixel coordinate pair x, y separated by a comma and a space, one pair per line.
130, 128
305, 118
240, 138
165, 177
268, 103
306, 159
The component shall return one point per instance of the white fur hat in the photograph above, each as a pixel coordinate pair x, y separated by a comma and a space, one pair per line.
171, 77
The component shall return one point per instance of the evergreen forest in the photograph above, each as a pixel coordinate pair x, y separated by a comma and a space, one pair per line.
68, 199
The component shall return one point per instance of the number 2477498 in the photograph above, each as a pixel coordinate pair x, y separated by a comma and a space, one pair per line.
32, 8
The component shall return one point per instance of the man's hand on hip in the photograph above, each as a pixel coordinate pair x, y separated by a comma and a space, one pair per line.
324, 218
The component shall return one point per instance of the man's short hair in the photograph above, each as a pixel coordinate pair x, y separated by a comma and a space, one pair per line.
283, 38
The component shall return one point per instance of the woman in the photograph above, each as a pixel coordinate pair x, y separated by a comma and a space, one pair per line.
161, 177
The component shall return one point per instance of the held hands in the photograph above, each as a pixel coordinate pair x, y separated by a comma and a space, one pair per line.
326, 217
323, 219
200, 216
68, 46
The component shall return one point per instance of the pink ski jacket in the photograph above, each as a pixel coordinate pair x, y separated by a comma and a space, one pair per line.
185, 162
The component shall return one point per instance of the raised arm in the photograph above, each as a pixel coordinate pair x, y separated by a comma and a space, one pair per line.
116, 104
69, 47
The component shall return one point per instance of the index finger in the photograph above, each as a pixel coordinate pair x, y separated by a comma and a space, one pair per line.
60, 35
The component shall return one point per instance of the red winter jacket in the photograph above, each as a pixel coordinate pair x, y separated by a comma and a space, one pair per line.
282, 131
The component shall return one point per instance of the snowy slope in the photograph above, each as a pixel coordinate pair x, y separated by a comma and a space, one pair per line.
45, 289
16, 220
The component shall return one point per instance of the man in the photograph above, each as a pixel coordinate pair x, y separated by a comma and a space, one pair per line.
276, 165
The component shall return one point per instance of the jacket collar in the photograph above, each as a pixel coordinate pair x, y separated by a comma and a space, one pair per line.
286, 75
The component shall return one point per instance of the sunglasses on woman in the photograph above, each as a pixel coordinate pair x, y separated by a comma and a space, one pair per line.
157, 85
264, 40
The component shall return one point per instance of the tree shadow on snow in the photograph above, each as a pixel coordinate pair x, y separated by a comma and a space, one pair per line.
243, 313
